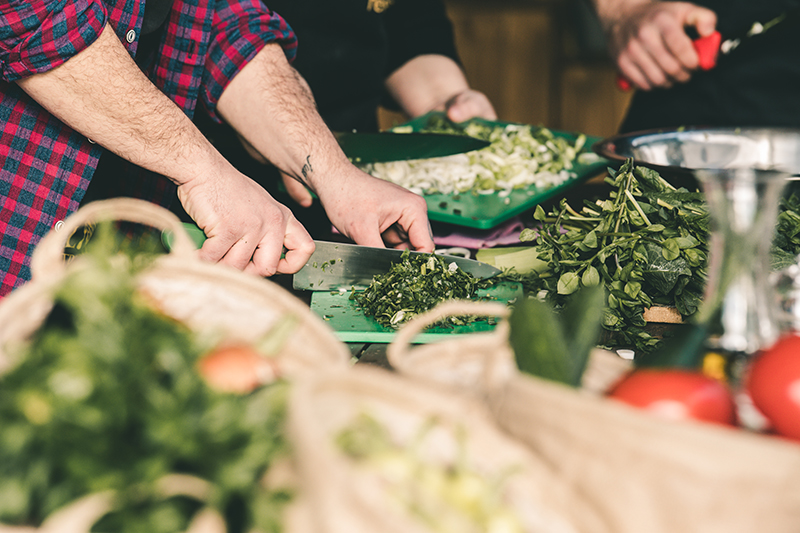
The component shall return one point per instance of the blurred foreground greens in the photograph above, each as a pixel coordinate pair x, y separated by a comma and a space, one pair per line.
106, 396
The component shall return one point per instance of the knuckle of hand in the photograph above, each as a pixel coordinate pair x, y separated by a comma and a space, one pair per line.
265, 270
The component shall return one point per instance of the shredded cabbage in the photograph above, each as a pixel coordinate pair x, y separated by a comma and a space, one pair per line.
520, 156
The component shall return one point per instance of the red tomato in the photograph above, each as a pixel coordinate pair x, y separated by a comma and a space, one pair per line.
237, 369
677, 394
773, 382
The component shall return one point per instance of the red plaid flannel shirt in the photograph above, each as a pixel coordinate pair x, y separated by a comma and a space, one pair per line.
45, 167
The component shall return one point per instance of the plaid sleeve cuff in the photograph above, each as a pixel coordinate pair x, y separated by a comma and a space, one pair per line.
241, 30
38, 36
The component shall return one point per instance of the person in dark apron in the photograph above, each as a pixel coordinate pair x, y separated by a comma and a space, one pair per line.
756, 83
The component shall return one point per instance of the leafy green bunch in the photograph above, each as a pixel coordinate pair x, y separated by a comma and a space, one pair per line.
786, 245
646, 244
107, 396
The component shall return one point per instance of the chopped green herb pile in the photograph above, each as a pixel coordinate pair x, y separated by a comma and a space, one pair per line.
106, 396
416, 284
647, 244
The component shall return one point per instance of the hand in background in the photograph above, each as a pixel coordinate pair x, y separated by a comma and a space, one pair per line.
437, 83
649, 43
297, 191
469, 104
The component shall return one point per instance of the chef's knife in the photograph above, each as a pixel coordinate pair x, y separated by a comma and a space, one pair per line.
369, 147
336, 265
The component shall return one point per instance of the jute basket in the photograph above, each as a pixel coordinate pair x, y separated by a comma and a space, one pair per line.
212, 299
635, 471
348, 497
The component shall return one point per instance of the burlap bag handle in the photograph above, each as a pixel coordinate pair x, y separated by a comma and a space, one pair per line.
25, 308
476, 362
481, 362
80, 515
47, 259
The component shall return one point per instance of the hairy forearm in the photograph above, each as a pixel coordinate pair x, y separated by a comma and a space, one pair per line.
610, 11
102, 94
272, 108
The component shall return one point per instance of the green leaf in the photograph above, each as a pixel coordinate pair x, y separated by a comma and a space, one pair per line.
568, 283
590, 241
633, 289
537, 339
539, 214
591, 277
686, 242
781, 259
581, 321
670, 249
528, 235
652, 179
661, 273
695, 257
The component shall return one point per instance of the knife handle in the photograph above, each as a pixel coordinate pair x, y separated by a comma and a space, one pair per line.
707, 49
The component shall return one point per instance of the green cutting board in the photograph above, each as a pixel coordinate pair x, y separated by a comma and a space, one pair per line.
350, 324
486, 211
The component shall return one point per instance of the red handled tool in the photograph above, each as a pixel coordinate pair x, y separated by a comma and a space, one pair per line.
710, 46
707, 49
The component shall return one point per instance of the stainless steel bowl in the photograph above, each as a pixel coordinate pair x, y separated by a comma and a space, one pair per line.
680, 151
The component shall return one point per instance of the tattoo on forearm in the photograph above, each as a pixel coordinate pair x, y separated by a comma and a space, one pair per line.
306, 168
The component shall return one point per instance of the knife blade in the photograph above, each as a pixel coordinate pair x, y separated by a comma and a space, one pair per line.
335, 265
377, 147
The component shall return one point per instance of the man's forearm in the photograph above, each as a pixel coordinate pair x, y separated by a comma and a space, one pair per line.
102, 94
609, 11
426, 83
271, 106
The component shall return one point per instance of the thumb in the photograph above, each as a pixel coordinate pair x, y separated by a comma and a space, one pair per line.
365, 232
704, 20
297, 191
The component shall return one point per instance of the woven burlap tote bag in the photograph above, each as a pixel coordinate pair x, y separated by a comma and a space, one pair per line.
347, 496
638, 473
212, 299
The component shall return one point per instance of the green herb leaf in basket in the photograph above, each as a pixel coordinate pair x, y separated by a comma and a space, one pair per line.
554, 344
